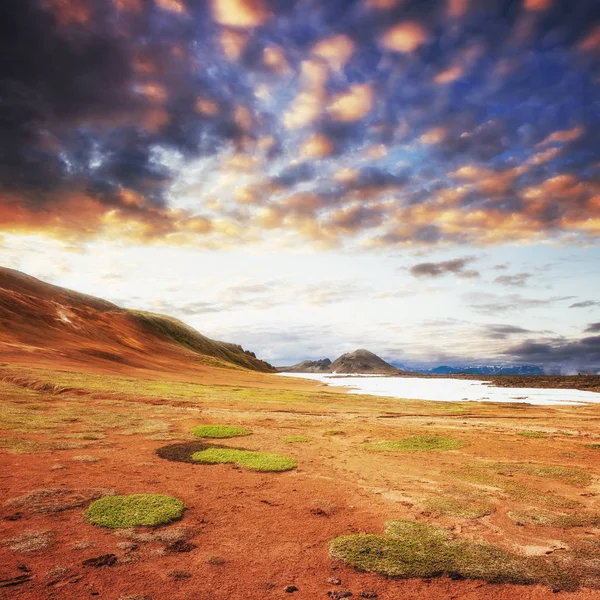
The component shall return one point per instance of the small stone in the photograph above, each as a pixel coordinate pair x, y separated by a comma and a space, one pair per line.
337, 594
106, 560
368, 594
290, 589
334, 581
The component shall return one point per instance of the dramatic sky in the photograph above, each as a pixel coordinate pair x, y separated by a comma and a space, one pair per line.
305, 177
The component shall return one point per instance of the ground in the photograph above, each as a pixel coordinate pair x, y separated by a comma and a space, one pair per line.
77, 436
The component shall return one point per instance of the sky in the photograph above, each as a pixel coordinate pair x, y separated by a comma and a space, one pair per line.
416, 177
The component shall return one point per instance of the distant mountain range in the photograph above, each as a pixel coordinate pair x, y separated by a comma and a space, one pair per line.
359, 361
364, 361
483, 370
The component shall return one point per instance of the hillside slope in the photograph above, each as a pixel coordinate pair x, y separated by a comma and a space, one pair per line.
45, 324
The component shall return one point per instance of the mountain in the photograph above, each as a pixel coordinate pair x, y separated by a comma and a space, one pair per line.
359, 361
486, 370
308, 366
44, 324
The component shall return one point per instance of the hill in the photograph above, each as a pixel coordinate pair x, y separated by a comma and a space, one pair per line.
42, 323
359, 361
308, 366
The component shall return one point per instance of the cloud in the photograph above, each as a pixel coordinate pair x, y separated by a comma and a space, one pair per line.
593, 328
502, 332
570, 356
585, 304
404, 37
517, 280
488, 304
455, 266
120, 118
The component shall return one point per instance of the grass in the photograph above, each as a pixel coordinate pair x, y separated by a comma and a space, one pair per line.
547, 519
532, 434
409, 549
292, 439
246, 459
334, 432
456, 507
496, 475
564, 474
135, 510
593, 446
219, 431
417, 443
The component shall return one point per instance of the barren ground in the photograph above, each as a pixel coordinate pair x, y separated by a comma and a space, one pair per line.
252, 534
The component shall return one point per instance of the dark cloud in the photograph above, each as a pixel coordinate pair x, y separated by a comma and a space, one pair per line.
502, 332
585, 304
570, 356
593, 328
518, 280
438, 269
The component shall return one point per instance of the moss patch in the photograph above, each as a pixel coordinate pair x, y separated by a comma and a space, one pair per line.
547, 519
134, 510
219, 431
417, 443
254, 461
293, 439
532, 434
458, 507
409, 549
593, 446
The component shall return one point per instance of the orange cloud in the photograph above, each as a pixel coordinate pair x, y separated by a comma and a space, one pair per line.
240, 13
336, 51
352, 105
543, 157
153, 91
155, 119
317, 146
172, 6
69, 12
308, 104
592, 41
207, 107
566, 135
457, 8
404, 37
233, 43
436, 135
274, 58
128, 5
243, 118
449, 75
382, 4
537, 5
346, 175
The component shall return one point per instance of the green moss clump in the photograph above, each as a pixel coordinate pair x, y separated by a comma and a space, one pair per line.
247, 459
148, 510
593, 446
532, 434
417, 443
219, 431
409, 549
292, 439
